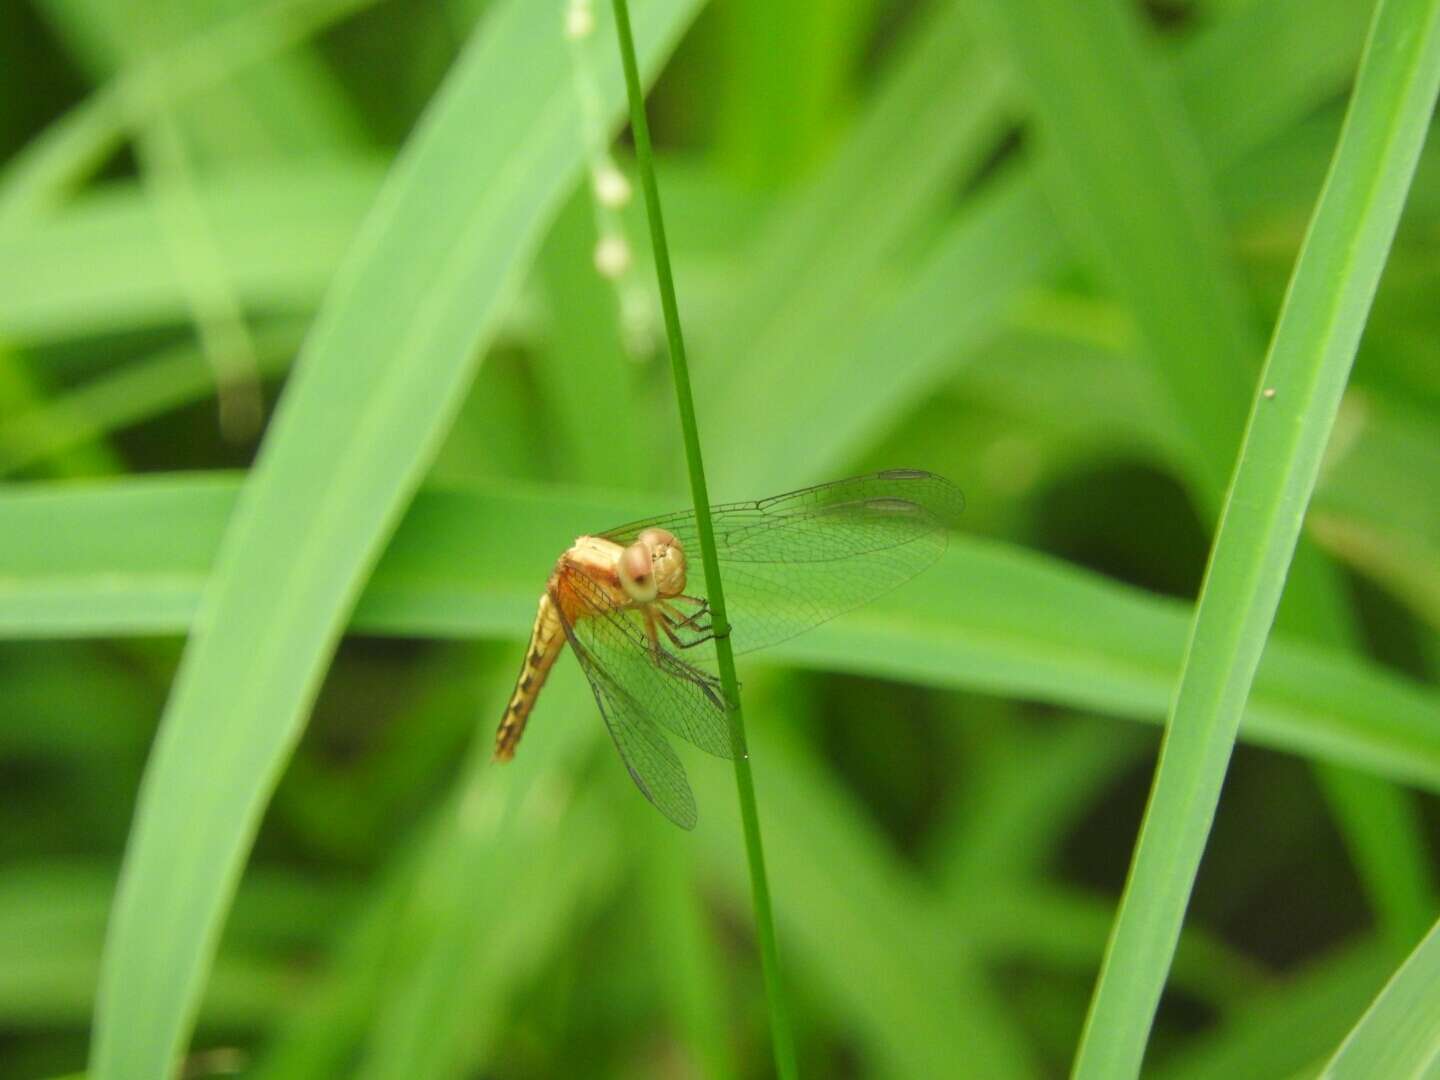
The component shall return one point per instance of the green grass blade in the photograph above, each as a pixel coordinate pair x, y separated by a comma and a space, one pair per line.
781, 1038
1066, 929
382, 373
1305, 375
1399, 1035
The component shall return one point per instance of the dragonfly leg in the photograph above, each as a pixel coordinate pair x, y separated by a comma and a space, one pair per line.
671, 624
650, 623
702, 607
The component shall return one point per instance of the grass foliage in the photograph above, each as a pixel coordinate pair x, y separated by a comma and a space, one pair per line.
250, 674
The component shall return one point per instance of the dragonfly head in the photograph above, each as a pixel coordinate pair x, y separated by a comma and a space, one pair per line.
653, 567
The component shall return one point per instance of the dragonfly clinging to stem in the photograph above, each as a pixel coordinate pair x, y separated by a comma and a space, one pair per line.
632, 604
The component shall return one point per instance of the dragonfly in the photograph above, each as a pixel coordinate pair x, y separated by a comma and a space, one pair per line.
632, 605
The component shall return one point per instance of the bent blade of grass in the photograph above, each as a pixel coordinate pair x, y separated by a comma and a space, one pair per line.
384, 370
1305, 374
1399, 1035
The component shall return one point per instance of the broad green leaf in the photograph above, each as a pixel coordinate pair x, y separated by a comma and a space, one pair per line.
404, 323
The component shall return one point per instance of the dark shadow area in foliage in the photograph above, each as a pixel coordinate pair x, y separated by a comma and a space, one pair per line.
1276, 882
32, 58
1392, 634
391, 726
1127, 521
890, 744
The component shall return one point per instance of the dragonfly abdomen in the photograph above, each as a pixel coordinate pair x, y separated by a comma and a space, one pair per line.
547, 638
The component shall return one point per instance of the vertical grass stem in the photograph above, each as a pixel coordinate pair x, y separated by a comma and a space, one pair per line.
781, 1038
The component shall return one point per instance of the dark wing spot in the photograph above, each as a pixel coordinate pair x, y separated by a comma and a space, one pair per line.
526, 682
536, 657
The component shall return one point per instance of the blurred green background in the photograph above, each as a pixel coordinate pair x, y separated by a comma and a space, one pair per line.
1036, 251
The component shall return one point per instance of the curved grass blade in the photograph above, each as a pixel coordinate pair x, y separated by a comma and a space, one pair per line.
1291, 417
381, 375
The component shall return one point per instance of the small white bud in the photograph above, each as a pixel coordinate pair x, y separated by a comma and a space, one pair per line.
612, 190
579, 19
612, 255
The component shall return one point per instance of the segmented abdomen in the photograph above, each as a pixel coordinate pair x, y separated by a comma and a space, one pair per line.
546, 640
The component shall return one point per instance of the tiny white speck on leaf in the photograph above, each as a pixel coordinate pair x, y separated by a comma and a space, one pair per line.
1268, 393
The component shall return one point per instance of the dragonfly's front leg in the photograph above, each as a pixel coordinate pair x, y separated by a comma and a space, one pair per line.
652, 620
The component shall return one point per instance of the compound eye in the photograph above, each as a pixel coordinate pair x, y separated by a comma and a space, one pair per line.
637, 574
656, 539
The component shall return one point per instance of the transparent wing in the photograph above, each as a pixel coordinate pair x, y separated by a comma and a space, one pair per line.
792, 562
641, 687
